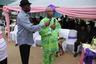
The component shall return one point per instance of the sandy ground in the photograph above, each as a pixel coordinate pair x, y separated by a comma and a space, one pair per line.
36, 56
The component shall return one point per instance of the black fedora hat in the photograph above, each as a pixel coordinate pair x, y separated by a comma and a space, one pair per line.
24, 2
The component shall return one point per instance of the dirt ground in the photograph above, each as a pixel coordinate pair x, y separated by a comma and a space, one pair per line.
36, 56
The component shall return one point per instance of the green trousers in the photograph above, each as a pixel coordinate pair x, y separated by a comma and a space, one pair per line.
50, 47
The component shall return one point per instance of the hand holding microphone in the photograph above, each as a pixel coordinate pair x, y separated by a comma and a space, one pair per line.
47, 23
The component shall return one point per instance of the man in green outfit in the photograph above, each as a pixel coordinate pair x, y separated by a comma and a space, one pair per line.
49, 36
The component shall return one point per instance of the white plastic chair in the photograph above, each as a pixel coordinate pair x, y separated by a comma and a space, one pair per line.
64, 33
72, 38
13, 34
37, 39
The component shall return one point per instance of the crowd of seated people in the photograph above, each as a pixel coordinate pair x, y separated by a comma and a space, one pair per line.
86, 30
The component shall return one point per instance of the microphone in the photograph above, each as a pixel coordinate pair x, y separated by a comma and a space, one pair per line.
54, 21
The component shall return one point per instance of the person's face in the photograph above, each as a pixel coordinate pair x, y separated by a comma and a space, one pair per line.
82, 28
27, 8
49, 12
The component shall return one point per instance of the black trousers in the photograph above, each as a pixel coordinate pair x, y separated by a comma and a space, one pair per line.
77, 43
3, 61
25, 52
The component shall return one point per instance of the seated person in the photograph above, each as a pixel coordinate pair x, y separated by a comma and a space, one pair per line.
82, 37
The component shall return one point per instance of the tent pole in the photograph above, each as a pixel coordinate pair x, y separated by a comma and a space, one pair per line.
8, 26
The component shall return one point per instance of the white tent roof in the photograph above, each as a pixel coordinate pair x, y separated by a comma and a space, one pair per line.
61, 3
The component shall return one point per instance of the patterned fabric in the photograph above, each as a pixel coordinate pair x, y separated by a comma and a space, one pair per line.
89, 56
90, 52
49, 42
52, 7
3, 46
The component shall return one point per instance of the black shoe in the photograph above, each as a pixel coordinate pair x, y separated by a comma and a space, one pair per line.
16, 44
76, 54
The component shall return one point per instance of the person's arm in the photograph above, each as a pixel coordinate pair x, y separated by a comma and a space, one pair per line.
25, 22
58, 26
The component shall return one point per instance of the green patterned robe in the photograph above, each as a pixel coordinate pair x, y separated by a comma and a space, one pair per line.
49, 40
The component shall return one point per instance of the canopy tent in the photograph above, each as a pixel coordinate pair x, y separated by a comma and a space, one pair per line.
61, 3
5, 2
75, 8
